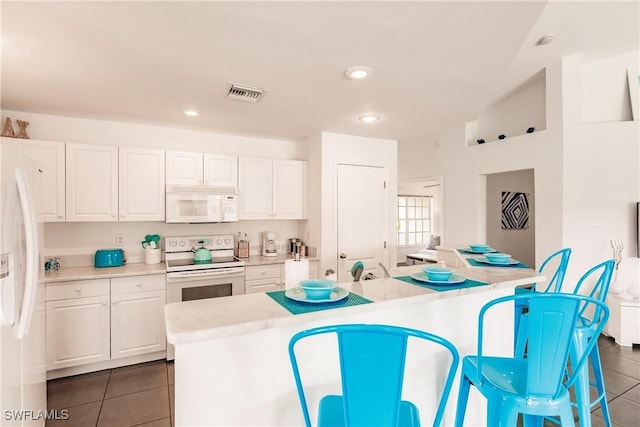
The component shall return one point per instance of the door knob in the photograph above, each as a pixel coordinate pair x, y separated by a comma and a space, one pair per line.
343, 255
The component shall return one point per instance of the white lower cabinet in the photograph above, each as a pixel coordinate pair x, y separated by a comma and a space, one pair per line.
270, 277
262, 278
77, 323
96, 320
137, 315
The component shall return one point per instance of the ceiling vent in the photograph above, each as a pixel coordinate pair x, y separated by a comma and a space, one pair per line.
244, 93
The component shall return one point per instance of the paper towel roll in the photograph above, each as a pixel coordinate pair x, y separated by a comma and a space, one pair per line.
294, 272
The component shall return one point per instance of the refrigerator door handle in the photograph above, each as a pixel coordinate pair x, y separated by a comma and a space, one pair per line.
32, 264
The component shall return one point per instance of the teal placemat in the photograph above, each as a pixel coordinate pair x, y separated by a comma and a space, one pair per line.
466, 284
463, 252
475, 263
296, 307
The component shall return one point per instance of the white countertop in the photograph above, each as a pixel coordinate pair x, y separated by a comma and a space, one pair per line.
139, 269
220, 317
88, 273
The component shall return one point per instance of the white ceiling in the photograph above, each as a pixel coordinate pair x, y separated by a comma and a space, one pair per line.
436, 64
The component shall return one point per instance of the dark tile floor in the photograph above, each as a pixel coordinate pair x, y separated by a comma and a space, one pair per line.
143, 395
137, 395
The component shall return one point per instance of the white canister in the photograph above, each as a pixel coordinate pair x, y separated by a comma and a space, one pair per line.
152, 256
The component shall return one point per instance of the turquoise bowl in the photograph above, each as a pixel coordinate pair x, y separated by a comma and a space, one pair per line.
497, 257
478, 247
318, 288
437, 273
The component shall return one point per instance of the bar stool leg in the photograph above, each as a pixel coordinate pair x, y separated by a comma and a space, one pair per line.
582, 384
599, 383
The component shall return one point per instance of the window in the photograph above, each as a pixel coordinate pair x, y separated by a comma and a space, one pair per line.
414, 220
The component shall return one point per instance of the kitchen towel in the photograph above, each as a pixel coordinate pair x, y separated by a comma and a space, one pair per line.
296, 307
468, 283
475, 263
295, 272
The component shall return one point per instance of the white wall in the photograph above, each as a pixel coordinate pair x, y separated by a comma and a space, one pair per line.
67, 129
605, 88
326, 151
516, 113
601, 179
63, 239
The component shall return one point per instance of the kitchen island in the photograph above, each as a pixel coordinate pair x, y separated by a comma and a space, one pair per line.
232, 365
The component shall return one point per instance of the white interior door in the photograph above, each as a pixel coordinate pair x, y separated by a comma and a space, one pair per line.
362, 214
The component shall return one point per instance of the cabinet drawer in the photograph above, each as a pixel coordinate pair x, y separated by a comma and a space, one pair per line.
77, 289
266, 285
269, 271
125, 285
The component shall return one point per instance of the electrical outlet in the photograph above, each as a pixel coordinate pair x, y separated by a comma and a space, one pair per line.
120, 239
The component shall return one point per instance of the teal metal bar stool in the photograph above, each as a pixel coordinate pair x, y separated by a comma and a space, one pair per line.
535, 385
560, 257
594, 283
372, 362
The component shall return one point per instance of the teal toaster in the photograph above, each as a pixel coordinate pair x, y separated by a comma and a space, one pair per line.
109, 258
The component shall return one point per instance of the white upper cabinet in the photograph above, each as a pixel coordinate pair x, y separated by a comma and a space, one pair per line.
220, 170
141, 184
45, 169
271, 189
184, 168
255, 188
187, 168
91, 182
289, 184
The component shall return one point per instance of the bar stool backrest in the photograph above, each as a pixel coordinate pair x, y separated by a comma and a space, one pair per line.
562, 257
372, 362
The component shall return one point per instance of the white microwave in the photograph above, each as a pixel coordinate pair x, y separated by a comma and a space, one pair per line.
198, 204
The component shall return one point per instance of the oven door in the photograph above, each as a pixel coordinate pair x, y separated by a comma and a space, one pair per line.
201, 284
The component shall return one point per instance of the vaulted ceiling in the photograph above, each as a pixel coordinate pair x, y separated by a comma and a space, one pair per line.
435, 63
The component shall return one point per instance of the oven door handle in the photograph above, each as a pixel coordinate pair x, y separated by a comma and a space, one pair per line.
199, 274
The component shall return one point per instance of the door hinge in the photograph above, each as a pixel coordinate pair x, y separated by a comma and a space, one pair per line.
385, 244
385, 184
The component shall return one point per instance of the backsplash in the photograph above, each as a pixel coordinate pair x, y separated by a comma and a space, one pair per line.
75, 244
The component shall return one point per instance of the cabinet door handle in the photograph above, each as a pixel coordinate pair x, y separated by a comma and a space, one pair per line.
139, 284
78, 290
114, 303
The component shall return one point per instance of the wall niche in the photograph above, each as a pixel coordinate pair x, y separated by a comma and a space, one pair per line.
512, 115
608, 89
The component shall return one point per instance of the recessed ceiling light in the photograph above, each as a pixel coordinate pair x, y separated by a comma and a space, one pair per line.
369, 118
191, 113
358, 73
546, 39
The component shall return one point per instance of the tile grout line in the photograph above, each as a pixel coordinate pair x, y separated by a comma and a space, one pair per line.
103, 396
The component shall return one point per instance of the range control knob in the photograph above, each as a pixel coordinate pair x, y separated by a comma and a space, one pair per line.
182, 243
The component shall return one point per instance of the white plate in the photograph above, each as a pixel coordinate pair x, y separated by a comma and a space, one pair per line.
511, 261
453, 279
480, 252
297, 294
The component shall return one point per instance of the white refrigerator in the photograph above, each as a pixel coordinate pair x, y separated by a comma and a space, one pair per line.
22, 302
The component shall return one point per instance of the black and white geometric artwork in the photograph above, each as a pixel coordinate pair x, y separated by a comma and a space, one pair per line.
515, 210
